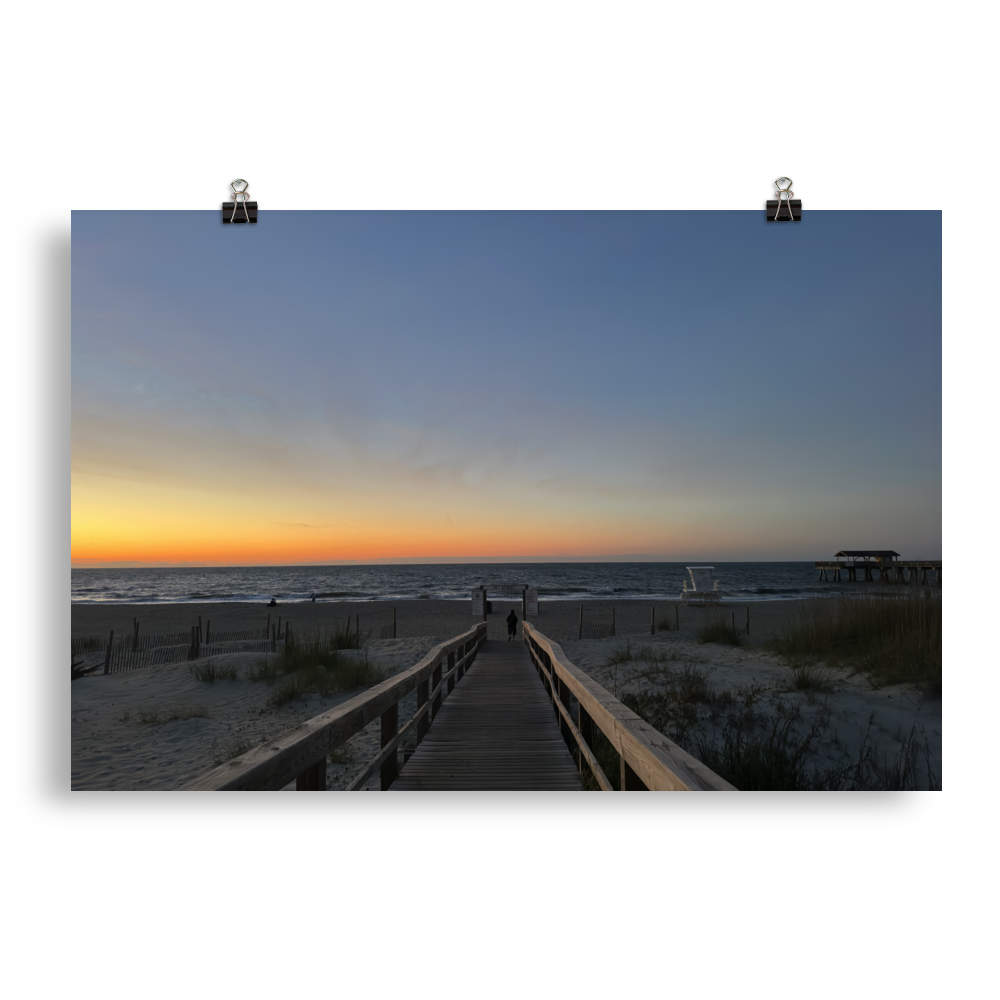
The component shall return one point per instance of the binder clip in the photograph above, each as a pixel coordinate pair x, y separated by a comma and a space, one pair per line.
784, 209
232, 212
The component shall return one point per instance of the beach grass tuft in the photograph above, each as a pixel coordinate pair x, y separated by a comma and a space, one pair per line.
893, 638
236, 747
171, 713
772, 760
812, 677
210, 672
316, 663
328, 678
718, 630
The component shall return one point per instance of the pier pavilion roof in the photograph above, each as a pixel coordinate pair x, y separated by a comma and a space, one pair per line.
868, 554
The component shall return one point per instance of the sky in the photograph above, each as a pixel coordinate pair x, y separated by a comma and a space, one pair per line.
327, 387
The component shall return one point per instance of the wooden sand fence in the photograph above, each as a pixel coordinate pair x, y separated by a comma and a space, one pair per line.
597, 623
350, 635
647, 759
300, 754
135, 651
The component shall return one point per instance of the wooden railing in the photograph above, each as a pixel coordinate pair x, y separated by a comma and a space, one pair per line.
648, 760
300, 754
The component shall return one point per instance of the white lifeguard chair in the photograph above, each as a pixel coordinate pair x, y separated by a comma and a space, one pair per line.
704, 587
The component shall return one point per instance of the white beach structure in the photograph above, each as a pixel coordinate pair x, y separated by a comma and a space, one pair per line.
704, 588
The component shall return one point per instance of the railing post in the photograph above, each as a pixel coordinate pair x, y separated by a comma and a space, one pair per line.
390, 726
107, 655
312, 779
630, 781
564, 698
451, 680
424, 722
460, 653
435, 681
585, 724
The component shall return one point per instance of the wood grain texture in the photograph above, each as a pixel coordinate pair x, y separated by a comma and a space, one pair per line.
496, 730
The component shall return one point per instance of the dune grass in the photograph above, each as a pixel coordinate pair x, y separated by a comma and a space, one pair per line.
167, 713
778, 759
812, 677
893, 638
643, 653
335, 675
772, 760
718, 630
318, 664
889, 639
236, 747
210, 672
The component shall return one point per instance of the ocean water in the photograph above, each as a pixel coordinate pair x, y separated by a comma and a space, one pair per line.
743, 582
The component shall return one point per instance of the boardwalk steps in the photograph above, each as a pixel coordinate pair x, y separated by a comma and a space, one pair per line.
496, 730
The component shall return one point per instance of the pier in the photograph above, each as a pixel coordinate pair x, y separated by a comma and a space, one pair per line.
884, 562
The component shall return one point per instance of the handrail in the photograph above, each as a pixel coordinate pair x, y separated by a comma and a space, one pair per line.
648, 759
300, 754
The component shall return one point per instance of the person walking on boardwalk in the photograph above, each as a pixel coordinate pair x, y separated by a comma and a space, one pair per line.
511, 625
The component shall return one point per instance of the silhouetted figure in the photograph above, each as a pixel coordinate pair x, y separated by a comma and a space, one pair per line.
511, 625
273, 603
314, 598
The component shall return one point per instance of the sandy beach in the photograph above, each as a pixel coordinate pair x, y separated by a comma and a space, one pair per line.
558, 619
159, 727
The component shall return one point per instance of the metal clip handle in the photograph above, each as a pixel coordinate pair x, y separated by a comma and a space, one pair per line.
239, 195
786, 190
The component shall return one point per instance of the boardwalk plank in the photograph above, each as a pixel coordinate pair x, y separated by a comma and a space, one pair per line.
496, 731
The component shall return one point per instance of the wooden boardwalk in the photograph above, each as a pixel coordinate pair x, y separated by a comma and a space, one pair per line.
496, 730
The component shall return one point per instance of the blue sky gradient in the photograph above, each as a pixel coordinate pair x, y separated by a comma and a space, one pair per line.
605, 384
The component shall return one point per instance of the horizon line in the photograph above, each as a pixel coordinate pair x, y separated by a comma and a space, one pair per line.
442, 561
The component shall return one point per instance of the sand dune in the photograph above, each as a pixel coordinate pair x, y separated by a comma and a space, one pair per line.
159, 727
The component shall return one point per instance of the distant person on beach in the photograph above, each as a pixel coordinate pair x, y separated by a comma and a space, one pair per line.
313, 598
273, 603
511, 625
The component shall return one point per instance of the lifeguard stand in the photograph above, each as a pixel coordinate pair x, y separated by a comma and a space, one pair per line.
704, 587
